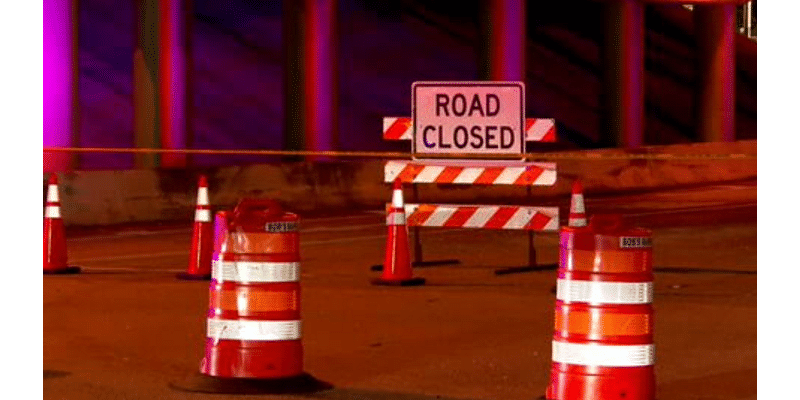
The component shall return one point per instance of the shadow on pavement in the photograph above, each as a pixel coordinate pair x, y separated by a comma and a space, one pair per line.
51, 373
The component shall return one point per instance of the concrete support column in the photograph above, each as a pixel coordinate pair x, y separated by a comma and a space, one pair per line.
505, 36
715, 27
174, 67
60, 95
623, 64
146, 113
161, 75
311, 87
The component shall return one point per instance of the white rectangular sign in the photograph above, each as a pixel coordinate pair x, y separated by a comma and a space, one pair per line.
468, 118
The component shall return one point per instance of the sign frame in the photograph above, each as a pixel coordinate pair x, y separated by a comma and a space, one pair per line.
415, 155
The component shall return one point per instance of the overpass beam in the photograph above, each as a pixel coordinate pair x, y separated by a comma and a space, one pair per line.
60, 119
715, 105
623, 80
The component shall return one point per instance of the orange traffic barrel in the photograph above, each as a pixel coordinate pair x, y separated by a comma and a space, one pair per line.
253, 332
603, 340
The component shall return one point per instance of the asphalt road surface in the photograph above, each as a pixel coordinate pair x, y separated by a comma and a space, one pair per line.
125, 328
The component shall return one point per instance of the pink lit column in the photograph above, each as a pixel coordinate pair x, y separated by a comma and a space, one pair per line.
174, 58
715, 27
60, 79
506, 37
623, 90
320, 74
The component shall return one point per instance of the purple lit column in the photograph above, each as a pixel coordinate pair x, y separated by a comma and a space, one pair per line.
320, 75
505, 35
173, 72
623, 55
60, 97
715, 27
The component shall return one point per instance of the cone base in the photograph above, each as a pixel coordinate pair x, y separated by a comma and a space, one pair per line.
185, 276
200, 383
402, 282
63, 271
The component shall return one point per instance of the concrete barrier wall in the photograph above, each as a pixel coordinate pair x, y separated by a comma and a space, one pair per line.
112, 197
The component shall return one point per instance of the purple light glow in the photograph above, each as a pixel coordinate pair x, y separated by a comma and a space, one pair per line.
59, 65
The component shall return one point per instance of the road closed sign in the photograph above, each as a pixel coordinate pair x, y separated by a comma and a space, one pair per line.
468, 118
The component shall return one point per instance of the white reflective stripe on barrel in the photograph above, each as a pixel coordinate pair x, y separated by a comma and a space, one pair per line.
599, 355
254, 271
574, 291
202, 216
238, 329
396, 218
52, 212
52, 193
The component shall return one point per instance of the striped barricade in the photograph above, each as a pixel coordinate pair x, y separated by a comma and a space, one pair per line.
471, 172
536, 129
538, 219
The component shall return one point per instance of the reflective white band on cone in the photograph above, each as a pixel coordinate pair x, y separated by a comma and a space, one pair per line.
229, 329
202, 196
577, 221
597, 355
574, 291
52, 193
397, 199
577, 206
202, 215
52, 212
253, 271
396, 217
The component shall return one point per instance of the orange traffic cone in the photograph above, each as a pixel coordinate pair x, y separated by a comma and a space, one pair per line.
397, 264
577, 211
55, 241
202, 237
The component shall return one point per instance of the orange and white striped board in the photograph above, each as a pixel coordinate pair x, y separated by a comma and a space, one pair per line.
536, 129
471, 172
541, 219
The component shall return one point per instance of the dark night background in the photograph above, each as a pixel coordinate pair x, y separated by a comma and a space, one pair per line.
384, 46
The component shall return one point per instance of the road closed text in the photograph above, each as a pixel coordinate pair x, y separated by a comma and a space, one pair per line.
468, 119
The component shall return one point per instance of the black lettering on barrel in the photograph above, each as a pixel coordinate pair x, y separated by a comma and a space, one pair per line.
460, 133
